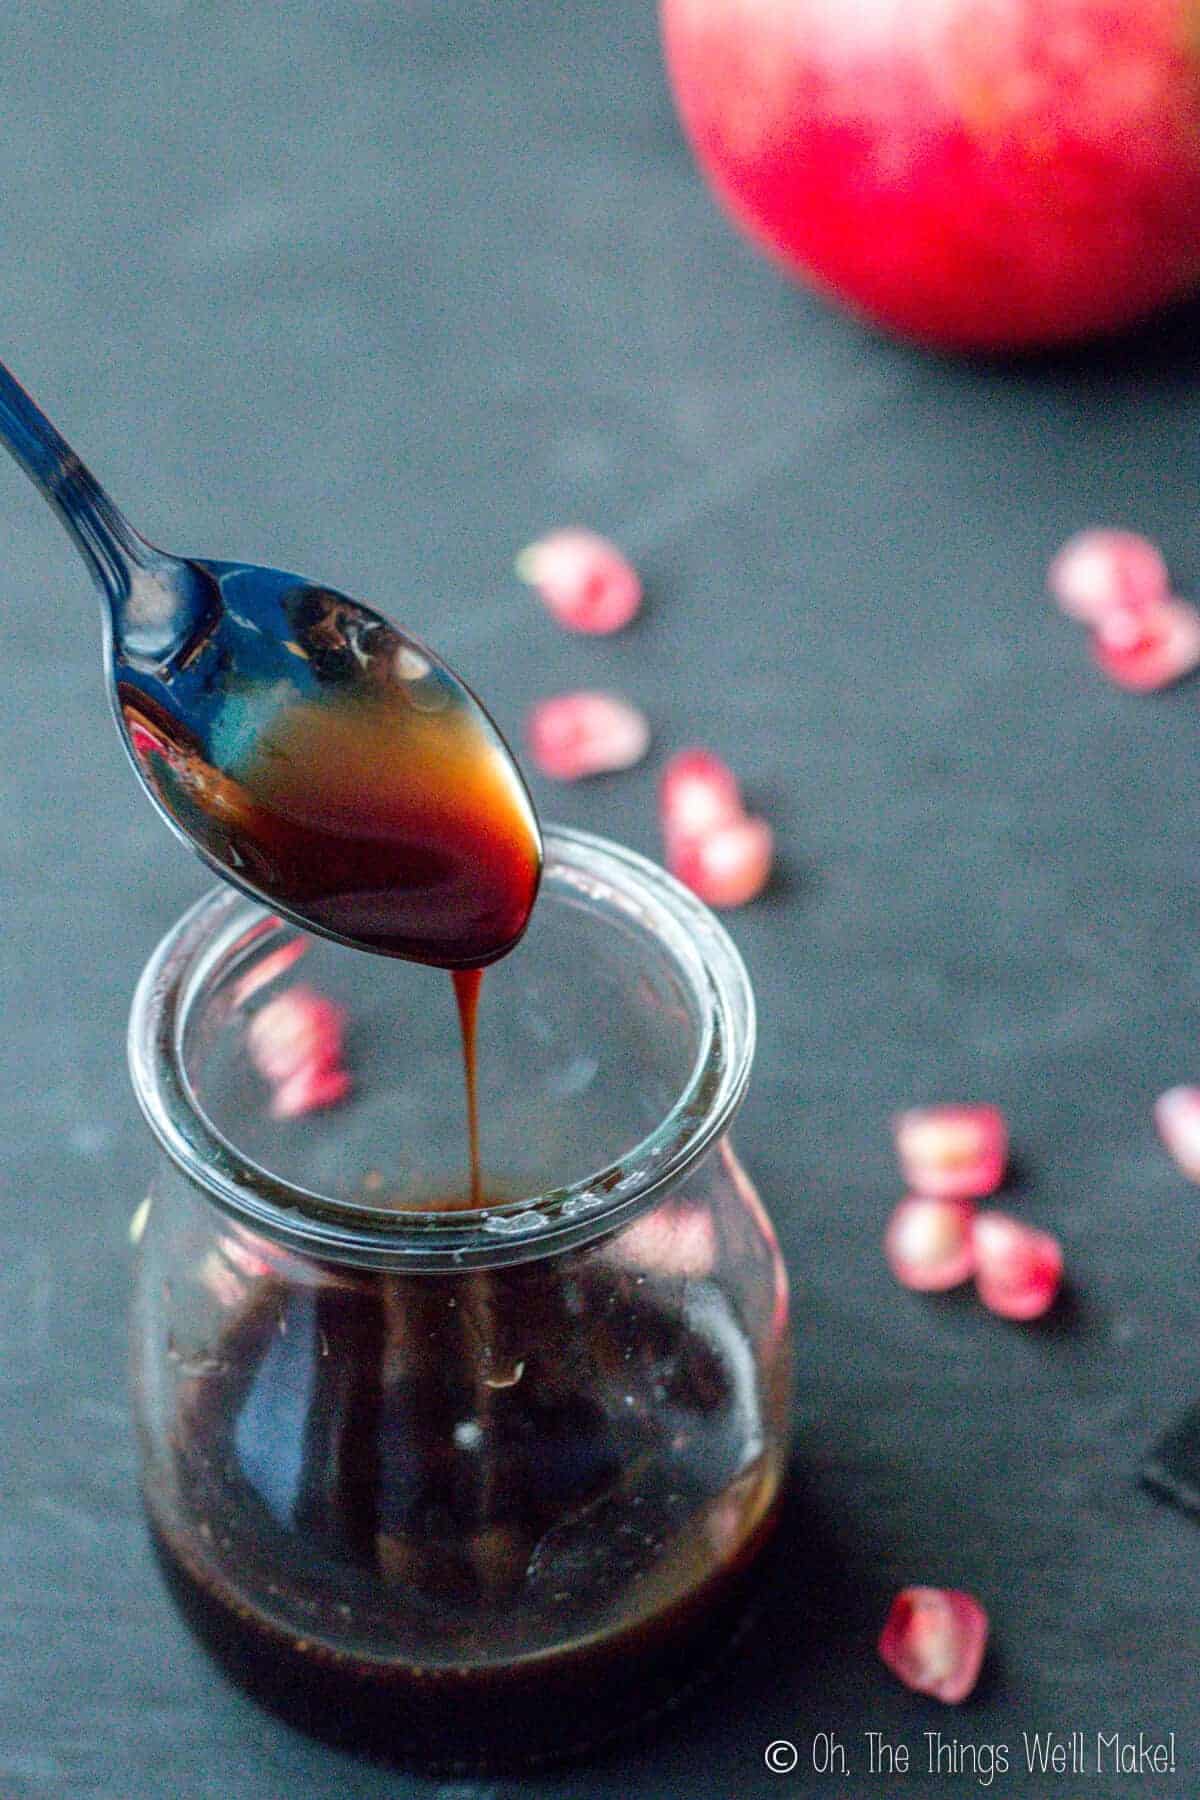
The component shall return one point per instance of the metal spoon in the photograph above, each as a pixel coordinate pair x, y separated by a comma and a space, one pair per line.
310, 752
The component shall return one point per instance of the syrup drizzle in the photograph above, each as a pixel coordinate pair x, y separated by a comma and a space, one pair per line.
467, 984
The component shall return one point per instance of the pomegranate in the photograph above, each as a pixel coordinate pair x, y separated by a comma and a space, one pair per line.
697, 794
976, 174
1177, 1115
582, 579
313, 1086
1018, 1269
713, 845
1148, 648
729, 865
1100, 571
575, 735
678, 1241
933, 1640
952, 1152
295, 1043
928, 1243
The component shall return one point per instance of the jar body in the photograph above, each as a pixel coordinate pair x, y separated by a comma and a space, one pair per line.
425, 1509
471, 1484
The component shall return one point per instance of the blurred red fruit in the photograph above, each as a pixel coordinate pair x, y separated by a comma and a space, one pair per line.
1098, 571
296, 1027
1147, 648
952, 1152
713, 846
728, 865
697, 793
928, 1243
582, 579
1018, 1270
934, 1640
295, 1043
676, 1240
312, 1087
979, 174
1177, 1115
574, 735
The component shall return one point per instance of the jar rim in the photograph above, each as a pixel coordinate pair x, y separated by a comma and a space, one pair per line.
199, 946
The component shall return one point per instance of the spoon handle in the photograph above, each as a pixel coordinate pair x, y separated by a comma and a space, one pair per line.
111, 548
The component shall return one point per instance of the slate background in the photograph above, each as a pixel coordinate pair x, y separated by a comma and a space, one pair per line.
378, 291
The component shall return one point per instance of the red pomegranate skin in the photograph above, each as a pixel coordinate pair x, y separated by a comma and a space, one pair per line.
975, 174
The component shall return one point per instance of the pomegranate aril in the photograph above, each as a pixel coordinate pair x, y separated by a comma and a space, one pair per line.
292, 1030
230, 1266
248, 1261
712, 845
1125, 627
582, 579
586, 733
933, 1640
678, 1240
928, 1243
728, 866
1099, 570
952, 1152
309, 1089
144, 742
295, 1043
1177, 1115
1018, 1269
1151, 649
269, 968
697, 793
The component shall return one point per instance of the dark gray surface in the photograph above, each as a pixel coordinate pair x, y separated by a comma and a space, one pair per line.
377, 291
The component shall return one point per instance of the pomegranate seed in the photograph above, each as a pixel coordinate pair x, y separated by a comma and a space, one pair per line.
674, 1240
928, 1243
295, 1043
1098, 570
1177, 1115
144, 742
248, 1261
580, 734
934, 1640
1125, 627
312, 1086
1148, 648
952, 1152
583, 580
1017, 1268
713, 846
697, 793
269, 968
295, 1029
728, 866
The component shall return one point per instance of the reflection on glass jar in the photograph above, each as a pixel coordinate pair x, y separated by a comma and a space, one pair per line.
472, 1486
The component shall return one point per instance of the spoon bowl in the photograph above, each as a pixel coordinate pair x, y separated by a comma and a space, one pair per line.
307, 749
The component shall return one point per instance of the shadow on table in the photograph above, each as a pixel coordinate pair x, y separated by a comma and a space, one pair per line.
1167, 345
818, 1599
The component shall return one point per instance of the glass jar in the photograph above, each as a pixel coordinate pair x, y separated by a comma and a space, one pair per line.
471, 1487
